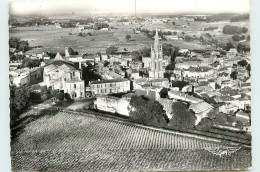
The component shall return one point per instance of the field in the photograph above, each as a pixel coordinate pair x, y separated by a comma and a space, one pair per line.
54, 39
84, 142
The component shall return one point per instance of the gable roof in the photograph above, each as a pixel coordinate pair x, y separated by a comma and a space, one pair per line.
200, 107
58, 57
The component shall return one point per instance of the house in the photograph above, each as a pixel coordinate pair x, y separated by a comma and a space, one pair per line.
164, 82
177, 95
172, 37
104, 57
232, 51
25, 76
134, 74
120, 85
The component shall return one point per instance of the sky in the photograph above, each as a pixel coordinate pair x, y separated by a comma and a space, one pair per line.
128, 6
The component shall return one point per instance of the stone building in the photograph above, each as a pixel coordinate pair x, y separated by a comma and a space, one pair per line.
64, 75
110, 86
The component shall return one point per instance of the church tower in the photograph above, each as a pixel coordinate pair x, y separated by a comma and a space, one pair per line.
157, 64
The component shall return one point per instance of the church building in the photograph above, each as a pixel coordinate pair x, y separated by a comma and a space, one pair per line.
64, 76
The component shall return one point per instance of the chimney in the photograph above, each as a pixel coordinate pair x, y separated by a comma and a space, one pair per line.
79, 60
67, 54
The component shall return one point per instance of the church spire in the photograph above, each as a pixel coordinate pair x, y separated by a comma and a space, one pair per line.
156, 39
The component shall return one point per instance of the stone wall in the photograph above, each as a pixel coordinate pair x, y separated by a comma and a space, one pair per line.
113, 104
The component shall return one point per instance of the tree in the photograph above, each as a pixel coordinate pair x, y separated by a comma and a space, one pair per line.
106, 63
147, 111
232, 30
233, 75
72, 52
236, 38
128, 37
242, 63
111, 49
248, 68
179, 84
205, 124
239, 124
181, 117
243, 48
27, 62
23, 46
89, 74
14, 43
212, 113
244, 29
231, 119
60, 96
242, 37
19, 100
173, 23
229, 45
164, 92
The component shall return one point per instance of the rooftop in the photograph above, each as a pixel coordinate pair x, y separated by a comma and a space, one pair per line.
110, 81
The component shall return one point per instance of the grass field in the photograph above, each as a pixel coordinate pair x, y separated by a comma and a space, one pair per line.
71, 142
54, 39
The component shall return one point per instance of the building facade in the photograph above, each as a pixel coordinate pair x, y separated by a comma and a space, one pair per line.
63, 75
110, 86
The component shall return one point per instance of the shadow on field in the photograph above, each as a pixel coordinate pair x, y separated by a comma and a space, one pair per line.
18, 126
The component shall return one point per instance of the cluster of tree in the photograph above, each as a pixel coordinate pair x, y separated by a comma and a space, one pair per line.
123, 20
233, 75
182, 118
82, 21
112, 49
150, 112
128, 37
240, 18
242, 63
227, 46
30, 22
248, 68
147, 112
228, 29
89, 74
19, 45
67, 25
243, 48
219, 17
30, 63
237, 38
85, 34
210, 28
72, 52
19, 100
15, 57
144, 52
99, 26
179, 84
173, 52
151, 33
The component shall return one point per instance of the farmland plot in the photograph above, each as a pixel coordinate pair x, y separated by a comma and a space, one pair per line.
66, 142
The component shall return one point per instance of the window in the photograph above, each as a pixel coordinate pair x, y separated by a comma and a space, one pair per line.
73, 73
75, 86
